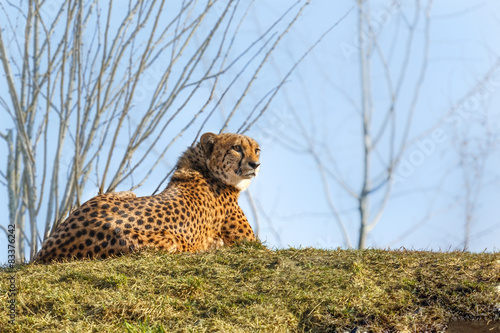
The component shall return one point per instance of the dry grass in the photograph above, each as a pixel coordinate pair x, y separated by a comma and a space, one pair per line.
249, 288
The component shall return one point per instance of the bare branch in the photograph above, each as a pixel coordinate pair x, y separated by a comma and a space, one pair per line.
294, 66
74, 77
255, 212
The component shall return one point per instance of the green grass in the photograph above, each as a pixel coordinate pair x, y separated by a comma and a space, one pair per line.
249, 288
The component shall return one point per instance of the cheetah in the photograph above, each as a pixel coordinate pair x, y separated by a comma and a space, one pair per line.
197, 211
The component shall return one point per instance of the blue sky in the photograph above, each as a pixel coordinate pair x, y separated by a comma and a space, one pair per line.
464, 45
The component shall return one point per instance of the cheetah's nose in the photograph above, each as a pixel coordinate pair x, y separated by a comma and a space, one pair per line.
254, 165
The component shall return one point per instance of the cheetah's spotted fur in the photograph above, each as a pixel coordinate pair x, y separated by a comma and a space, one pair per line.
197, 211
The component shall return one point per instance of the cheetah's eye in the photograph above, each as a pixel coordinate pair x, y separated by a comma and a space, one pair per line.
257, 151
237, 148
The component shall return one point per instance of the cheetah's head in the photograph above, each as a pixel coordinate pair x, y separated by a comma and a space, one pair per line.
232, 158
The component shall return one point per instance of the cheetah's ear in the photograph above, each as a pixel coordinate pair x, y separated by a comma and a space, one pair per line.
207, 142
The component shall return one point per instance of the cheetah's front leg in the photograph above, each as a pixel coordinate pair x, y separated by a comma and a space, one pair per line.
236, 228
215, 244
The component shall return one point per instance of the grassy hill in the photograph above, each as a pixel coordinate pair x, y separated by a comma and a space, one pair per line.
250, 288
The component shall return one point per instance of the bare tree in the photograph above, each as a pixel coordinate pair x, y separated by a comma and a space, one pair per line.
475, 142
385, 144
382, 142
97, 90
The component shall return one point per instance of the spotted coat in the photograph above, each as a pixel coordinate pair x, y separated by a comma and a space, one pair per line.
198, 210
